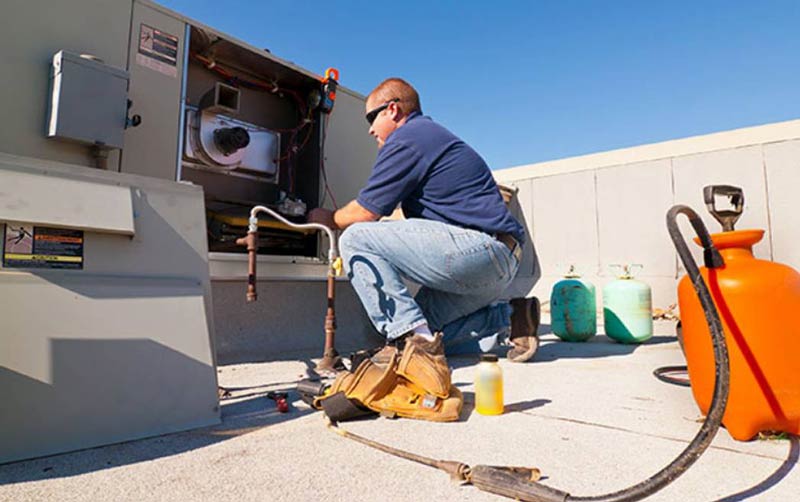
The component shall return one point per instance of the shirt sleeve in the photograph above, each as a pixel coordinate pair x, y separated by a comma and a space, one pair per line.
397, 172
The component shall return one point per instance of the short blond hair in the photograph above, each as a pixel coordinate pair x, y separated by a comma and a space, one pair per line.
397, 89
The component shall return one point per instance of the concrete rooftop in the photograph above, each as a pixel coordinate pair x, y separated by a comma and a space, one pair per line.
591, 416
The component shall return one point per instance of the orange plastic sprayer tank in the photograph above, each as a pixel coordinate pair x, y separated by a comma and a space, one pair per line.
759, 303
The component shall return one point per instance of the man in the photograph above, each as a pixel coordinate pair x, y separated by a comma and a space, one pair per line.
458, 241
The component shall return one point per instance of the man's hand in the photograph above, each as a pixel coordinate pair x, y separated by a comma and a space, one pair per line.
323, 217
351, 213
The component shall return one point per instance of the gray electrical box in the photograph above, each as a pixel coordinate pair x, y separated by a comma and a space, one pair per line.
88, 101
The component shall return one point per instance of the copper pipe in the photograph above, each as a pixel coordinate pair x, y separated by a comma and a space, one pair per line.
251, 241
330, 319
330, 358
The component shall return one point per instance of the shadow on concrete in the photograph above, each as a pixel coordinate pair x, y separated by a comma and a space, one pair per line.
468, 407
774, 478
552, 348
230, 394
464, 360
102, 391
256, 412
599, 346
519, 407
526, 405
239, 417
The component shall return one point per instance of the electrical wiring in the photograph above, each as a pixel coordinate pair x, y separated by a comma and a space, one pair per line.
292, 148
322, 167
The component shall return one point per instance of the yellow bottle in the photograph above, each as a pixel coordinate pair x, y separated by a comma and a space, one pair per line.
489, 386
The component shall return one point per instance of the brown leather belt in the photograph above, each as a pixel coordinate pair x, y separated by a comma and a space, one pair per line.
511, 243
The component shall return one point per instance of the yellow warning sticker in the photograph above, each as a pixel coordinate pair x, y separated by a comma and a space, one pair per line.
29, 246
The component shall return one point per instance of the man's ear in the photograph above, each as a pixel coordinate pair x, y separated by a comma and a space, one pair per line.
396, 111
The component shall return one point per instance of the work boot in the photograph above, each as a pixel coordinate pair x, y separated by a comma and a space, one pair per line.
434, 347
524, 326
423, 364
385, 355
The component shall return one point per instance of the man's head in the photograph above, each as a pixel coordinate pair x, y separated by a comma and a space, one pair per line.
388, 107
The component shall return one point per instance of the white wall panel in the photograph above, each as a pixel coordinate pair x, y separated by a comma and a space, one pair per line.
610, 207
565, 216
632, 202
782, 162
742, 167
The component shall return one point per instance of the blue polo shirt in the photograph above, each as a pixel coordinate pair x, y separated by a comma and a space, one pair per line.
436, 176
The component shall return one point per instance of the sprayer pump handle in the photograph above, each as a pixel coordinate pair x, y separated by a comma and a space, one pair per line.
726, 217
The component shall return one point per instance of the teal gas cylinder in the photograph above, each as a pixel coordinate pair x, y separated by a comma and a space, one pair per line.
628, 309
573, 308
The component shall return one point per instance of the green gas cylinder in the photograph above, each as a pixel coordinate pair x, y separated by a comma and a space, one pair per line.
628, 308
573, 308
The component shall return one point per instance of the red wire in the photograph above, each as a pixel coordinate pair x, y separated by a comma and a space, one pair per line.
322, 166
292, 149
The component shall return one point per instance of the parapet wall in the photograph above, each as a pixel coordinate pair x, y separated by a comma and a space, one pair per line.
597, 210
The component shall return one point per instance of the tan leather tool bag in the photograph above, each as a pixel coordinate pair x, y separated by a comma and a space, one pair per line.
414, 385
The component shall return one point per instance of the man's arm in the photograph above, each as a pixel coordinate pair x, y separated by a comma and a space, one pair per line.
353, 212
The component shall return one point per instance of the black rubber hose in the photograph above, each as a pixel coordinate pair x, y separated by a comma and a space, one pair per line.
666, 375
722, 369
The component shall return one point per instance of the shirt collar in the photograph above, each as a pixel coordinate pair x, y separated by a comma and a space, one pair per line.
411, 116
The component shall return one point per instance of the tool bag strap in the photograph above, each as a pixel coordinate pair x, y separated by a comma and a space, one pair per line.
339, 408
368, 383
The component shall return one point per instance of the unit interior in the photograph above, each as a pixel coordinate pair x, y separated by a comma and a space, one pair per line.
253, 135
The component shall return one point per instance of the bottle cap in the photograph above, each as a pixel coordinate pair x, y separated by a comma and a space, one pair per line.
488, 358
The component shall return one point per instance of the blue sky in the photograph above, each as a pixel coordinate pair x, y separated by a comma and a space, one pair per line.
525, 82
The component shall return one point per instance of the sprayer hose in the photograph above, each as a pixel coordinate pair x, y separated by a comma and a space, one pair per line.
667, 374
721, 365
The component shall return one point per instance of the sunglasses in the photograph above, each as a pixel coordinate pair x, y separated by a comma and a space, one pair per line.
373, 114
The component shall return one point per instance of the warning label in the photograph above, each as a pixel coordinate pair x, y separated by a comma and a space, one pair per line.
158, 50
27, 246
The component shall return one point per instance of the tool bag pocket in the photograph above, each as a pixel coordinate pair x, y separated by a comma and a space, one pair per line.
382, 390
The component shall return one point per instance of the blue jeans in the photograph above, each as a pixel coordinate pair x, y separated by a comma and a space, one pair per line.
461, 273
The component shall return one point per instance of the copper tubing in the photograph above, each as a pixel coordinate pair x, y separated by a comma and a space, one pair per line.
330, 319
330, 359
251, 241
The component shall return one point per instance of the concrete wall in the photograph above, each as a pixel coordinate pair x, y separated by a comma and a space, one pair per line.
610, 208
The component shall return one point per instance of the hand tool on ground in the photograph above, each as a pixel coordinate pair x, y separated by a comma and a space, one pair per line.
280, 400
